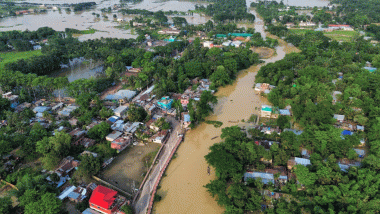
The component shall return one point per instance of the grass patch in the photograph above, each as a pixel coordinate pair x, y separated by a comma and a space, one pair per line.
123, 27
216, 124
252, 118
2, 184
268, 121
340, 38
88, 31
299, 31
342, 32
339, 35
13, 56
148, 158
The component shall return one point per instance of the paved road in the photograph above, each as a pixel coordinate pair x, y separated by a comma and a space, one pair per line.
142, 202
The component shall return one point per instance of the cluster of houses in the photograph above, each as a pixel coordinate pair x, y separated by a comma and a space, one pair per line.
170, 31
264, 88
12, 98
279, 175
270, 112
238, 40
24, 12
331, 28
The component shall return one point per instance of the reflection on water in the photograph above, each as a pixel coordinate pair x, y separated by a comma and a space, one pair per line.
84, 70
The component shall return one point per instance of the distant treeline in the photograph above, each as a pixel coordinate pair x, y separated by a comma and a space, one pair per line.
130, 1
137, 12
83, 6
20, 40
223, 10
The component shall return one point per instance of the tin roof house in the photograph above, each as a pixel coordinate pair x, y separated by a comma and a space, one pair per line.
165, 103
106, 200
266, 111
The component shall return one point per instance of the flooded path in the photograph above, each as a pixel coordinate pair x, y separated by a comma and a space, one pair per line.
182, 189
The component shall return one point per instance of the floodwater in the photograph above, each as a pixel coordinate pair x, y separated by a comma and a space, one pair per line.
183, 188
85, 20
80, 71
61, 20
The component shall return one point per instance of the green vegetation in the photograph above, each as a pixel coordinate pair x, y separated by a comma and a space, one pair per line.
252, 118
8, 57
136, 113
216, 124
273, 10
83, 6
100, 131
127, 209
224, 10
88, 167
53, 149
200, 110
312, 71
148, 158
157, 198
374, 31
299, 31
338, 35
357, 13
75, 31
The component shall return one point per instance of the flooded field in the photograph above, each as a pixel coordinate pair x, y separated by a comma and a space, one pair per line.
183, 189
86, 20
129, 167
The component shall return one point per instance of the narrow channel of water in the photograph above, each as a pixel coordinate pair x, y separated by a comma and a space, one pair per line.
183, 188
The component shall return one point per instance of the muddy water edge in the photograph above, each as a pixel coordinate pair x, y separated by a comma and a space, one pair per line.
183, 188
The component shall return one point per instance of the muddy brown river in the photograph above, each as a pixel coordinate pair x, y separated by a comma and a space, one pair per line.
183, 188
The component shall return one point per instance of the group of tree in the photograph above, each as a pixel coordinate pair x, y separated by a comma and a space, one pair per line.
21, 40
53, 149
34, 194
83, 6
220, 65
198, 111
272, 10
358, 13
224, 10
306, 82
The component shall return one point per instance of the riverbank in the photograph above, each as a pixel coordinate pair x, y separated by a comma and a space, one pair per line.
183, 189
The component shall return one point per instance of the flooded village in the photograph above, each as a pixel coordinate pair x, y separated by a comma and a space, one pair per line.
154, 164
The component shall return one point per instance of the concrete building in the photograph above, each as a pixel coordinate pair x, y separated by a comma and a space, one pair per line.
66, 112
113, 136
121, 111
266, 111
106, 200
165, 103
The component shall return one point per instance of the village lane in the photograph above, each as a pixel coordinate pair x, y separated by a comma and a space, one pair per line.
142, 202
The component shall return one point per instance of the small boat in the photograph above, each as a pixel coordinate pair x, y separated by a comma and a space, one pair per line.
214, 137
